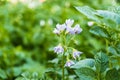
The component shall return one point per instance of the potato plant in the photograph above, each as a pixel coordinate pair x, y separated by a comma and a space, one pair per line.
105, 65
53, 41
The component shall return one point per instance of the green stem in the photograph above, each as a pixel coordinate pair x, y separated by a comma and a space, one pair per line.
70, 40
99, 76
63, 56
107, 47
63, 73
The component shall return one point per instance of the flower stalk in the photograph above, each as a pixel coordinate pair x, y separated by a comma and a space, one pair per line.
64, 31
63, 72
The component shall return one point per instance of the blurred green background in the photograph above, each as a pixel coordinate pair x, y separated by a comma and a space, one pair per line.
26, 33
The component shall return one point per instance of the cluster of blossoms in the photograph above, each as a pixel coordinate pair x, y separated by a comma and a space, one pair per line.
67, 28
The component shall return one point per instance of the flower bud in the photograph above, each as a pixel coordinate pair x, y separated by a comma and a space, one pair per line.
90, 23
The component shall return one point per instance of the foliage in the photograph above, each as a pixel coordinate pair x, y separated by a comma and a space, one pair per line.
27, 40
105, 67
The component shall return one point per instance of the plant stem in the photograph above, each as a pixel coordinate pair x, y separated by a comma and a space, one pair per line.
63, 67
63, 63
107, 46
98, 76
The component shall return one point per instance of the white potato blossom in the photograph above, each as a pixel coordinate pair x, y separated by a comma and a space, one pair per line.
56, 31
69, 22
76, 54
59, 28
70, 30
77, 29
69, 63
74, 30
58, 49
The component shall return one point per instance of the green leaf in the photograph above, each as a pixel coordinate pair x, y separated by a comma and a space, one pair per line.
54, 61
99, 31
112, 50
89, 12
115, 61
109, 15
101, 62
118, 48
84, 63
49, 70
26, 75
35, 75
3, 75
85, 73
104, 17
113, 74
17, 71
115, 9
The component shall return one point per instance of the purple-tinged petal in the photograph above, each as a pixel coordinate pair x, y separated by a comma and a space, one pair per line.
58, 49
76, 54
70, 30
69, 63
61, 27
77, 29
